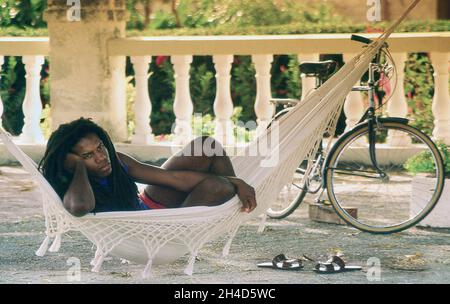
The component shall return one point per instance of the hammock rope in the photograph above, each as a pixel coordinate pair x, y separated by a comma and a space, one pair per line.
161, 236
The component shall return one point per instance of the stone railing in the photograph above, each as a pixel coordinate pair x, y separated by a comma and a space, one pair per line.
262, 48
222, 48
33, 51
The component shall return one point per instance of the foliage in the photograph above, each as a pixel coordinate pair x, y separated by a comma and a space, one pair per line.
12, 90
243, 87
423, 163
239, 13
419, 88
295, 28
202, 84
205, 124
162, 93
22, 13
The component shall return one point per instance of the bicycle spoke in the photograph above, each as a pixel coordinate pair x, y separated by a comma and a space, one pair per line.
352, 172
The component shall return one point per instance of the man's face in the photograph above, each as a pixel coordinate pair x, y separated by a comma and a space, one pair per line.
94, 154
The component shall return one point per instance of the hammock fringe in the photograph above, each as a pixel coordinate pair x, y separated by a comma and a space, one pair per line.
56, 244
44, 246
147, 272
189, 270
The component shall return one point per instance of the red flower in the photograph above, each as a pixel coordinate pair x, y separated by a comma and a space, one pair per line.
370, 29
161, 59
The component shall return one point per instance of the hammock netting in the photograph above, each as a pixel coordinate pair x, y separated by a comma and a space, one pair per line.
164, 235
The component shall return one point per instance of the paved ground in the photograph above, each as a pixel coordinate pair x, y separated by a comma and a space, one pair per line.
413, 256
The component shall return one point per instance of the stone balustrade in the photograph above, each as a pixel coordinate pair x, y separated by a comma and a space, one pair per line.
308, 47
222, 49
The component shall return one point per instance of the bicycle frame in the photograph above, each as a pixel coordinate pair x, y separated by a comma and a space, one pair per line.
371, 119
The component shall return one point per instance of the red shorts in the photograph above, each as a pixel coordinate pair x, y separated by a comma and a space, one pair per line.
151, 204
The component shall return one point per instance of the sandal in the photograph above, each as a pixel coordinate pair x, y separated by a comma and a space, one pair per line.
334, 265
284, 263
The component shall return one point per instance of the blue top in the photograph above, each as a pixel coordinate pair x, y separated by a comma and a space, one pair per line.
114, 204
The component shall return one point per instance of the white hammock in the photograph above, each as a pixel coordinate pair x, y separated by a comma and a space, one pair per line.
162, 236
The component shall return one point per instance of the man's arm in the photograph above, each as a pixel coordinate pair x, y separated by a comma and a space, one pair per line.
246, 193
79, 198
184, 181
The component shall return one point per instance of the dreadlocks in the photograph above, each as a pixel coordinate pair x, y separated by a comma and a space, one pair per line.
60, 143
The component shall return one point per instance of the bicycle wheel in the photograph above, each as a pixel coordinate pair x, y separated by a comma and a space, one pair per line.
293, 193
392, 203
290, 197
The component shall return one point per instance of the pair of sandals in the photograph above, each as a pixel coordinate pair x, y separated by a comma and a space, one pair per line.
334, 265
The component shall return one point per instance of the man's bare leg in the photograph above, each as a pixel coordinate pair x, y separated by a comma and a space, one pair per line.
210, 192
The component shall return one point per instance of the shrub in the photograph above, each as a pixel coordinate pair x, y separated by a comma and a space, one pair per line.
419, 89
422, 162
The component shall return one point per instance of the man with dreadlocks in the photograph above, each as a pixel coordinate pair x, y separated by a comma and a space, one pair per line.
83, 167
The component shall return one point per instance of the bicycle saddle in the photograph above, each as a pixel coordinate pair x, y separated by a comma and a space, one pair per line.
319, 68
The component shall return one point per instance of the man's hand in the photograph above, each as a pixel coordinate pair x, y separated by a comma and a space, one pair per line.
246, 194
71, 161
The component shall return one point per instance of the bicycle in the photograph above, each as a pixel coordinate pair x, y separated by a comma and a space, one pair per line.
361, 171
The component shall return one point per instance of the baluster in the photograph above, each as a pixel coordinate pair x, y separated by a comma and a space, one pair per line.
354, 105
397, 105
441, 100
223, 104
32, 105
1, 102
182, 106
142, 104
264, 109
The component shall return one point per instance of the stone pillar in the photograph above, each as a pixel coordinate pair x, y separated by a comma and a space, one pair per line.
142, 104
182, 106
441, 100
223, 104
263, 108
85, 81
32, 104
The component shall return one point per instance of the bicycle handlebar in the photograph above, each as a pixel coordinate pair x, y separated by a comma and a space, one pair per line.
361, 39
364, 40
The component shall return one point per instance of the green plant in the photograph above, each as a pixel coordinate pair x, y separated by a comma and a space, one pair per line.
419, 90
422, 162
12, 90
202, 84
205, 125
162, 93
22, 13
